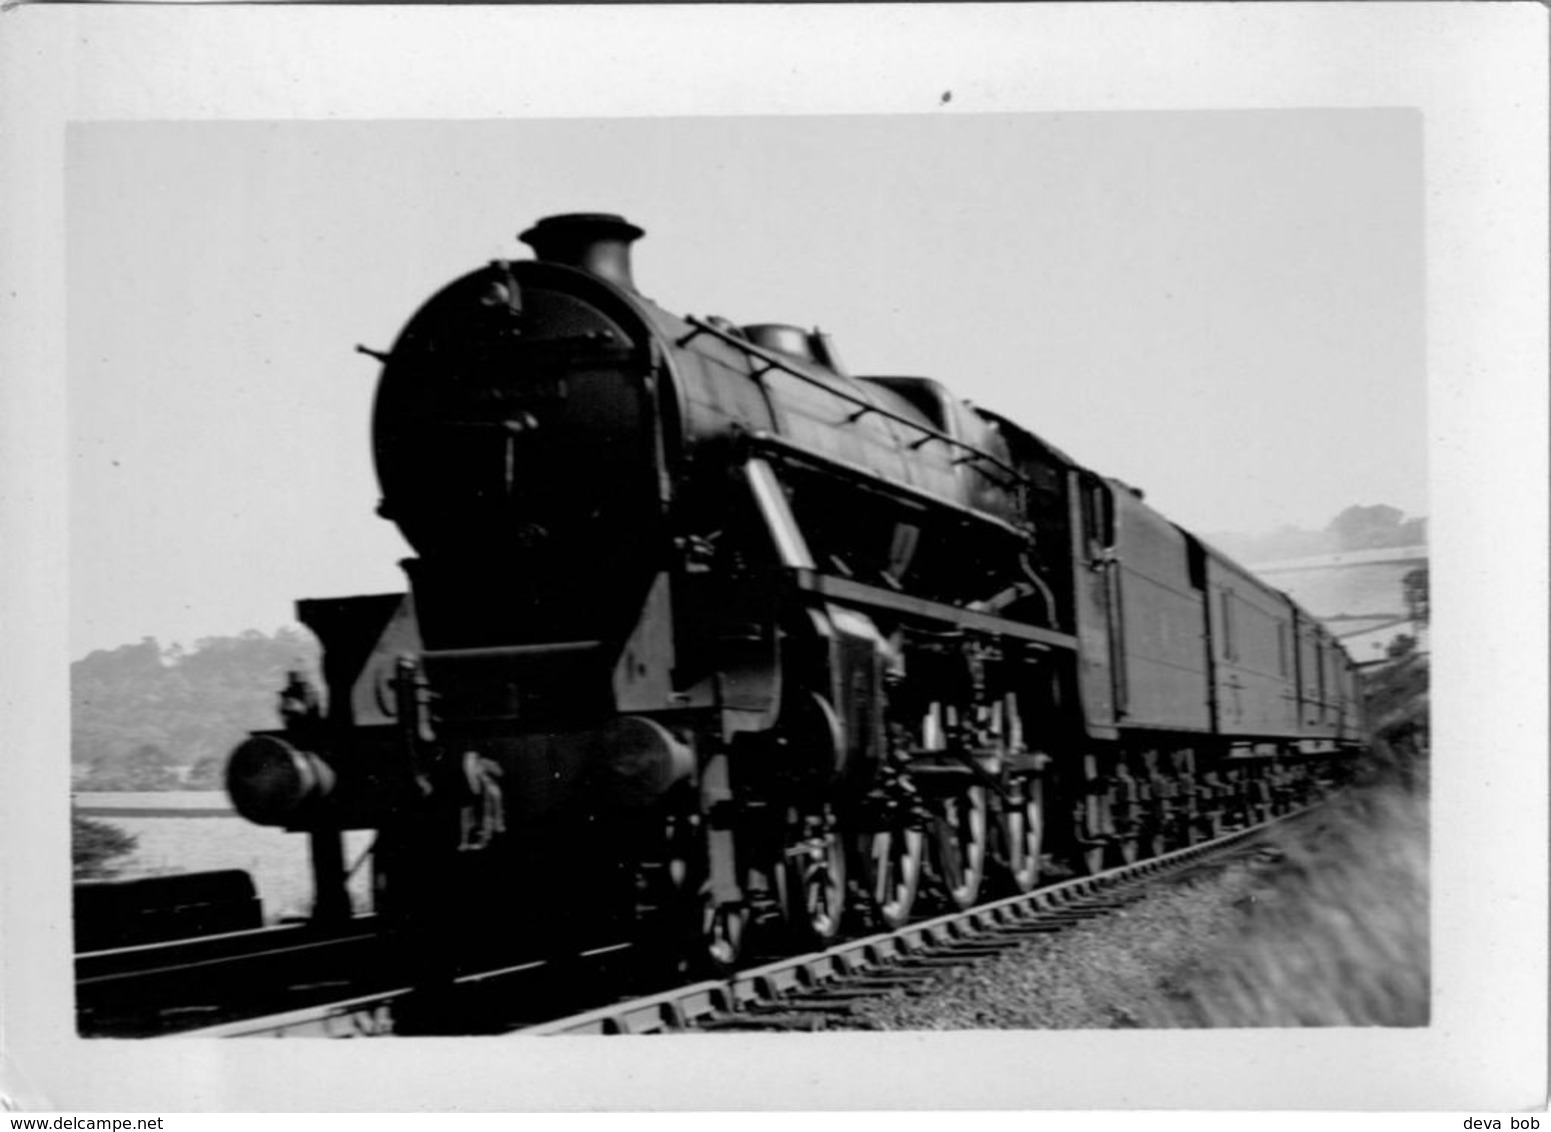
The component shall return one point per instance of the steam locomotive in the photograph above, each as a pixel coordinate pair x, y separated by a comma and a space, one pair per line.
712, 644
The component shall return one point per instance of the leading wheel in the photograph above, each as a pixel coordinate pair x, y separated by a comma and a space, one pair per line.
682, 933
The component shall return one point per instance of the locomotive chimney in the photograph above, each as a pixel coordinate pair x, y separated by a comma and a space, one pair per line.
597, 242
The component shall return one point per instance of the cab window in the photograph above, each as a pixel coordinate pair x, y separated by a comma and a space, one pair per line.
1098, 509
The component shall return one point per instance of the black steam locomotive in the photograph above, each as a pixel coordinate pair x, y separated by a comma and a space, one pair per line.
707, 641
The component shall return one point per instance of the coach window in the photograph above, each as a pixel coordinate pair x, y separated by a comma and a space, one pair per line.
1098, 511
1227, 626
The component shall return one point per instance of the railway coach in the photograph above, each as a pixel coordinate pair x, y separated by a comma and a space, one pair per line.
709, 643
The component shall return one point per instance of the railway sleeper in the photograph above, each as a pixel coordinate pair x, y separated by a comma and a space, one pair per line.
1020, 933
817, 1005
1064, 917
981, 948
765, 1023
908, 981
922, 962
840, 996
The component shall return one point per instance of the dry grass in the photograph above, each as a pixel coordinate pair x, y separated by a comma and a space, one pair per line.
1331, 932
1339, 935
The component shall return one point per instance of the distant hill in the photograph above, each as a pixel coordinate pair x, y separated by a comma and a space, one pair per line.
1356, 528
1353, 574
148, 717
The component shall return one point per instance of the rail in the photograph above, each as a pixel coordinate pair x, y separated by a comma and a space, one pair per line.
155, 988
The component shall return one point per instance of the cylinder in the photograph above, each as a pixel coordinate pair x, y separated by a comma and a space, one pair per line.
638, 760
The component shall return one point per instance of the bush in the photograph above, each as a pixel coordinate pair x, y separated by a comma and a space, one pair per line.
1339, 935
95, 845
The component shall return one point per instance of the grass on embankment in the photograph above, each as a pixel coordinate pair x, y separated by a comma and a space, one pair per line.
1332, 932
1339, 934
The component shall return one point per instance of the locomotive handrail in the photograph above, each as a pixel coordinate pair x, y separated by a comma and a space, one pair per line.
850, 592
781, 446
508, 652
772, 361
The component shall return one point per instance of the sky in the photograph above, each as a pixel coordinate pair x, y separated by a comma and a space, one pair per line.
1225, 308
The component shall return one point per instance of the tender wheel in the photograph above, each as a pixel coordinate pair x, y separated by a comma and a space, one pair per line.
1092, 859
959, 845
1133, 824
1264, 806
1211, 818
1165, 833
813, 877
1190, 827
1090, 847
1023, 834
1188, 824
1093, 818
893, 872
1155, 843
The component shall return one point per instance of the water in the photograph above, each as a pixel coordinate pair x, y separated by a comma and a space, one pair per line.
196, 830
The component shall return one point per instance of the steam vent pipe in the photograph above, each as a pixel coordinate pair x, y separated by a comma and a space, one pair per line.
597, 242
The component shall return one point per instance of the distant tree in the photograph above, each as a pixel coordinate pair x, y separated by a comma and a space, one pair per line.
1356, 528
207, 773
1413, 532
1366, 528
1414, 586
142, 715
95, 845
147, 767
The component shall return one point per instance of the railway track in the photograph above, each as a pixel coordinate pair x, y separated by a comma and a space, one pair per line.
279, 972
159, 988
804, 992
797, 993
